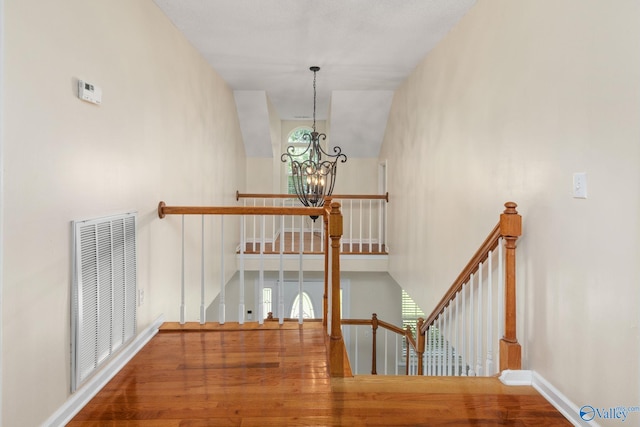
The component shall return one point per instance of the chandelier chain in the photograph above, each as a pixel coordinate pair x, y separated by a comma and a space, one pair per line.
314, 100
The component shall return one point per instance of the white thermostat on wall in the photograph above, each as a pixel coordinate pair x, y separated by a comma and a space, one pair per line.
89, 92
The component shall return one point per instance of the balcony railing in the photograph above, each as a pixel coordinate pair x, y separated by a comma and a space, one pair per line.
331, 220
364, 226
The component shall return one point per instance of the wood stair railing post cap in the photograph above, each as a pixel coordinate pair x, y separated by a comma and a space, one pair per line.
510, 221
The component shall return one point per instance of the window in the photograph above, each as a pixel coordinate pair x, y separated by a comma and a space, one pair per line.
410, 314
410, 311
307, 307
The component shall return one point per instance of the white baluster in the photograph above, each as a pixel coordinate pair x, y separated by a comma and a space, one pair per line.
273, 226
489, 370
222, 310
255, 239
385, 352
264, 225
261, 313
430, 348
350, 225
449, 348
380, 240
472, 329
300, 274
293, 227
445, 342
464, 331
480, 328
312, 230
183, 308
434, 350
244, 223
445, 333
439, 353
370, 236
281, 274
202, 308
386, 226
456, 366
241, 306
329, 292
360, 227
500, 295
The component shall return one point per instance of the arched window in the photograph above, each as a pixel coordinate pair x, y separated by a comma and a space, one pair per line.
299, 143
307, 307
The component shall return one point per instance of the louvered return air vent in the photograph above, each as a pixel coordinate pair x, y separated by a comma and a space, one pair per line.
103, 317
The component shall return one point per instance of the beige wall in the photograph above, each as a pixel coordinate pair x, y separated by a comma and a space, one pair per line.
518, 97
167, 129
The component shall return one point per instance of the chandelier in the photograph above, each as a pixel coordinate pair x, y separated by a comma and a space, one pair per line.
313, 171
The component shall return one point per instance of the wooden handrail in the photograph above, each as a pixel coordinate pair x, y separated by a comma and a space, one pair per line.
374, 322
384, 197
164, 210
381, 323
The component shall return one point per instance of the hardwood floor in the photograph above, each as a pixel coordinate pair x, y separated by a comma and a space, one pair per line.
276, 375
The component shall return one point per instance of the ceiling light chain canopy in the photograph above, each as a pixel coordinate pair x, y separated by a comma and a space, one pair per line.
313, 171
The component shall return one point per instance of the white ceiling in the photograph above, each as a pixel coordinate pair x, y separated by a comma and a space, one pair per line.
263, 49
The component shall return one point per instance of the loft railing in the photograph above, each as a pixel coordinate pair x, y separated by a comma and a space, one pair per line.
364, 225
332, 231
399, 351
461, 335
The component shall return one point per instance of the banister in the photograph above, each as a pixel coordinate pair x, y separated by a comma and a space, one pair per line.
509, 228
390, 327
375, 323
489, 244
164, 210
381, 323
384, 197
333, 224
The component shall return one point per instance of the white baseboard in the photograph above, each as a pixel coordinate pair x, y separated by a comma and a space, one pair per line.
521, 377
83, 395
570, 410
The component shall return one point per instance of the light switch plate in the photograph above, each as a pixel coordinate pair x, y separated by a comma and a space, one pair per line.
580, 185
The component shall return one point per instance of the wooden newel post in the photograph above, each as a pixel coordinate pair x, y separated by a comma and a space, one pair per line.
325, 297
336, 343
421, 344
510, 229
374, 329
